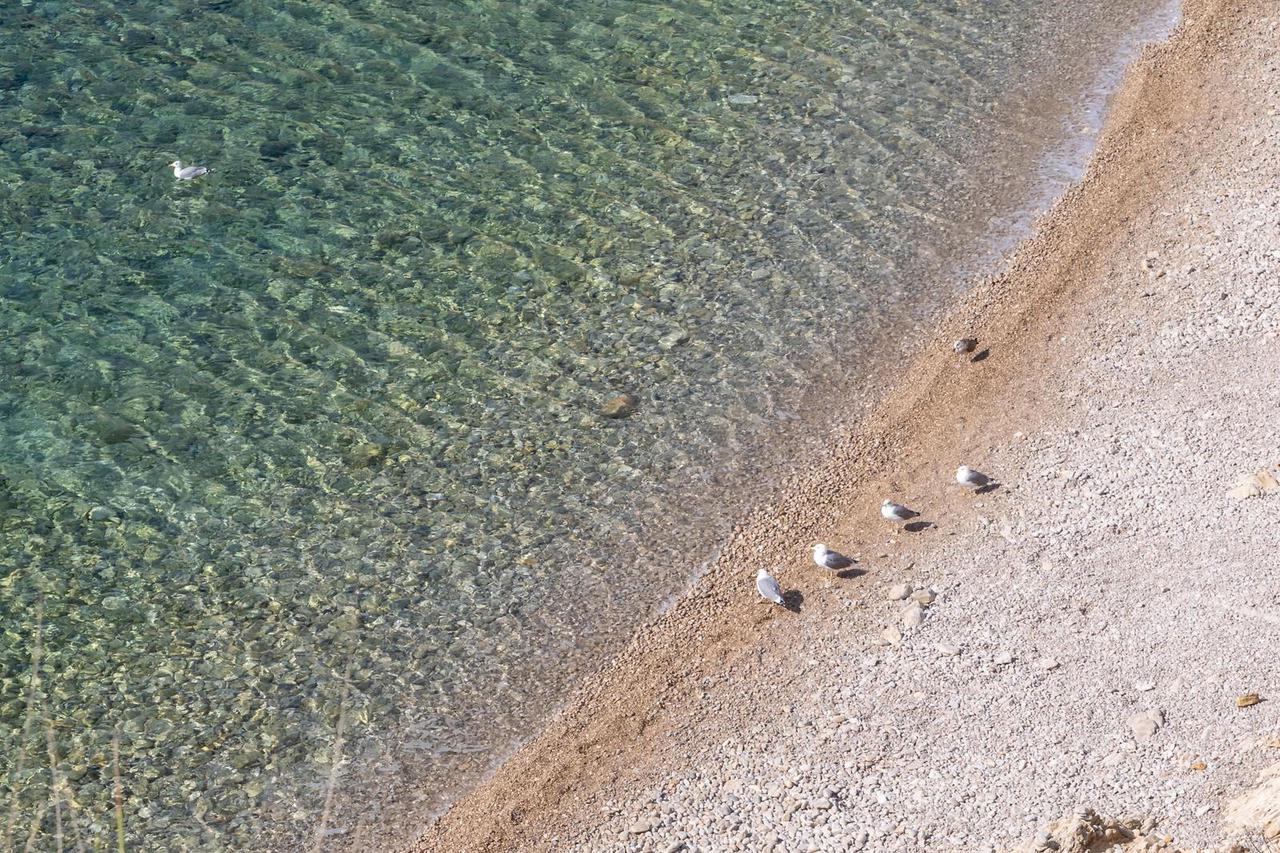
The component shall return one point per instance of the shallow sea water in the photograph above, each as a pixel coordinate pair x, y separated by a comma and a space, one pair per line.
307, 507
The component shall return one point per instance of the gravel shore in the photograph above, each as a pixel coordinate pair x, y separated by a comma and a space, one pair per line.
1085, 634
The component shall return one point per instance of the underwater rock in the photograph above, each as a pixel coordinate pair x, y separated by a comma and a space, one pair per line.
111, 429
671, 340
365, 454
101, 513
621, 406
273, 149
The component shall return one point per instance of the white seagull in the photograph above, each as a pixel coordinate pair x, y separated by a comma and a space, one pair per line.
966, 476
767, 586
896, 512
187, 173
828, 559
965, 346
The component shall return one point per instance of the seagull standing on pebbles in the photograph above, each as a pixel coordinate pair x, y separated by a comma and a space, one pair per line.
187, 173
828, 559
966, 476
964, 346
896, 512
767, 586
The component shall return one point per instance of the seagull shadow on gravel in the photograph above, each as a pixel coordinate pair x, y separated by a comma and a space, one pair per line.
918, 526
982, 356
988, 488
793, 600
850, 573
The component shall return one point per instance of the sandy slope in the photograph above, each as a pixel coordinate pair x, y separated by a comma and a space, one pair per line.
1132, 377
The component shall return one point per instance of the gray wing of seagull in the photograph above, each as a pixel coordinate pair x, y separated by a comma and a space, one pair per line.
188, 173
835, 560
768, 587
970, 477
901, 513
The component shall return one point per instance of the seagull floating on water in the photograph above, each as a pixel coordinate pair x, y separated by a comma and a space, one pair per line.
966, 476
767, 586
896, 512
965, 346
828, 559
187, 173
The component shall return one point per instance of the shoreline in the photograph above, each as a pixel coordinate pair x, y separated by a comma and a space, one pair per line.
616, 734
1039, 170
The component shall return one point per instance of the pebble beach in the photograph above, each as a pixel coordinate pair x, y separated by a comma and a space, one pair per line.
1082, 656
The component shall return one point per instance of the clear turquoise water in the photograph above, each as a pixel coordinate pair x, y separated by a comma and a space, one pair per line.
305, 496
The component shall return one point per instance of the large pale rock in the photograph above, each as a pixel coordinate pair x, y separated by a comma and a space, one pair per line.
1259, 809
1145, 724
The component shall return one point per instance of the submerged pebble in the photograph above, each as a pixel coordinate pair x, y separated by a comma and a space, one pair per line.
620, 406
